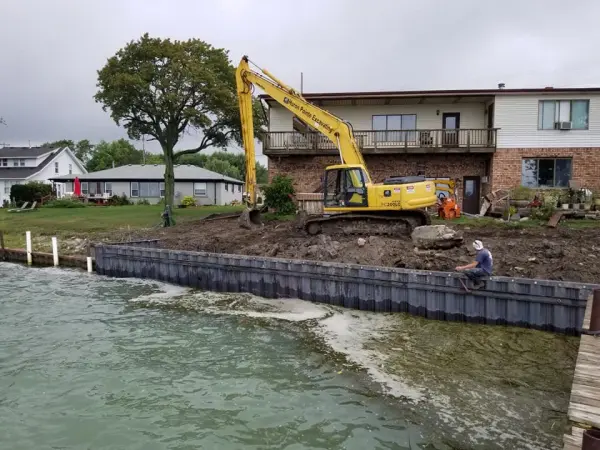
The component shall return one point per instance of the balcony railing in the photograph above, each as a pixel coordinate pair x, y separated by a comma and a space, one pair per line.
371, 141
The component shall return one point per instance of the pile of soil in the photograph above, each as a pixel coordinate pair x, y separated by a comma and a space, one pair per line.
554, 254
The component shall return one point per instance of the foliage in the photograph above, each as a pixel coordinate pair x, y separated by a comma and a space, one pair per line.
119, 200
30, 192
188, 200
119, 153
522, 193
143, 201
544, 212
83, 149
64, 203
235, 166
278, 195
163, 88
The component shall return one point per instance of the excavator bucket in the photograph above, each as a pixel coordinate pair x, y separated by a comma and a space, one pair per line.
250, 217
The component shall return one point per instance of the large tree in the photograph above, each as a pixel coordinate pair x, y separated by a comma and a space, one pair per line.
83, 149
162, 88
115, 153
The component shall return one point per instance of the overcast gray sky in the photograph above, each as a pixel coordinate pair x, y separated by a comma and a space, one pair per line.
51, 49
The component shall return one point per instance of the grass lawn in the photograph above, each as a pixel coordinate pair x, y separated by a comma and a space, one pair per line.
83, 222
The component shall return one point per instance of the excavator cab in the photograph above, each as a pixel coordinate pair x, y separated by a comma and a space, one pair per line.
345, 187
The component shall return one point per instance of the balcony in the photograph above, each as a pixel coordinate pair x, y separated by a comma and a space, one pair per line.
284, 143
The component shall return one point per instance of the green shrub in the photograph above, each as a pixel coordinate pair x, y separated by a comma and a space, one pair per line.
544, 212
522, 193
119, 200
188, 200
279, 195
64, 203
143, 201
32, 191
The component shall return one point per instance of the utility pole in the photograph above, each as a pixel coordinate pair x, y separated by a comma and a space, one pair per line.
301, 82
143, 149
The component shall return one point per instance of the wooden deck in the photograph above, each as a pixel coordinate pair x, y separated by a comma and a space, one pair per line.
584, 407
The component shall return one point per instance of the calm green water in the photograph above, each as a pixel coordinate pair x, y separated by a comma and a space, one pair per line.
88, 362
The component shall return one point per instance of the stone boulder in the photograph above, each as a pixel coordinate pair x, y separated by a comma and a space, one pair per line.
436, 237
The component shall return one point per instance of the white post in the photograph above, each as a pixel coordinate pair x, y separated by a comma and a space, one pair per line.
55, 250
89, 264
28, 243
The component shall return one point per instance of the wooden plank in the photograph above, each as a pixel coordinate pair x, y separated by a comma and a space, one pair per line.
553, 222
588, 313
584, 404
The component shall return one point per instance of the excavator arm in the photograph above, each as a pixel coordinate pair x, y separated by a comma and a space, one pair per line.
333, 127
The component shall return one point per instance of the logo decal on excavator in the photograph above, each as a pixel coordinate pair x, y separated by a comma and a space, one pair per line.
410, 189
307, 114
428, 187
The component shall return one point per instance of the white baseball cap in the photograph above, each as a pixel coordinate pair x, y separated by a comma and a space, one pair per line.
477, 245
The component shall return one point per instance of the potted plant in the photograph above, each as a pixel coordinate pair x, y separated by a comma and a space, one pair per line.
564, 199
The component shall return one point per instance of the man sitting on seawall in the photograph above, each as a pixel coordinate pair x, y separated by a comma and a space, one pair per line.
481, 267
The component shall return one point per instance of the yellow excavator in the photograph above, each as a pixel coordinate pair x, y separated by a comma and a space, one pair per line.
353, 203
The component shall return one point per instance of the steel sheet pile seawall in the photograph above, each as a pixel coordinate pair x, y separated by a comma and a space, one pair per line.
541, 304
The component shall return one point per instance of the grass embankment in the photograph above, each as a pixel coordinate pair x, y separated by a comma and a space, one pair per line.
90, 222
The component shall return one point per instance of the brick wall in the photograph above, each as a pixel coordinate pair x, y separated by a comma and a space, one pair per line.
307, 170
506, 165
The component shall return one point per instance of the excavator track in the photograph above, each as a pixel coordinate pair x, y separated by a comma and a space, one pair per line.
400, 224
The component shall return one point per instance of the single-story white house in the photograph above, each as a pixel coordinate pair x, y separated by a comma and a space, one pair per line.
146, 182
20, 165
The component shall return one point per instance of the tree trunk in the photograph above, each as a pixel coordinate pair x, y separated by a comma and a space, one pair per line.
169, 178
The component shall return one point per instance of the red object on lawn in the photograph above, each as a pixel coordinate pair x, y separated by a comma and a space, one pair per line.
77, 187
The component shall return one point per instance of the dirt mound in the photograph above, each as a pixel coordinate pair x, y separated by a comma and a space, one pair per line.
557, 254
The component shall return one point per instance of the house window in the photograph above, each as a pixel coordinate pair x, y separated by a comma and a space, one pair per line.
69, 186
108, 188
226, 186
552, 112
70, 169
4, 162
85, 190
389, 127
546, 172
22, 162
135, 189
15, 163
56, 167
200, 189
239, 188
162, 189
153, 190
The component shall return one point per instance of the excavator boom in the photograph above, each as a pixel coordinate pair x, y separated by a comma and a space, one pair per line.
349, 192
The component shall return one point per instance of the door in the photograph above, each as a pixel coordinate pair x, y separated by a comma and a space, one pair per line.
471, 194
58, 187
345, 188
490, 125
450, 124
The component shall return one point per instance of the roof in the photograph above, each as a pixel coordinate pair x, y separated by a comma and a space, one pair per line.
24, 152
21, 173
135, 172
455, 96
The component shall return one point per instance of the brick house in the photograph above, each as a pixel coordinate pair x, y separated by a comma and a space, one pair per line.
484, 139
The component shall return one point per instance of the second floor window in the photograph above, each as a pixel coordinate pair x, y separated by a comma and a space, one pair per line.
55, 167
552, 112
70, 169
4, 162
389, 127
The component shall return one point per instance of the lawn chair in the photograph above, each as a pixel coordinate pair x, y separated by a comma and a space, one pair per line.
23, 206
34, 204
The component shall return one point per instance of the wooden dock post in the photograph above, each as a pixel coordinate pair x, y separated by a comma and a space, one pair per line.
584, 407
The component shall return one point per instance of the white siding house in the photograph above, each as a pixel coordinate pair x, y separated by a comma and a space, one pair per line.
521, 122
23, 164
140, 182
